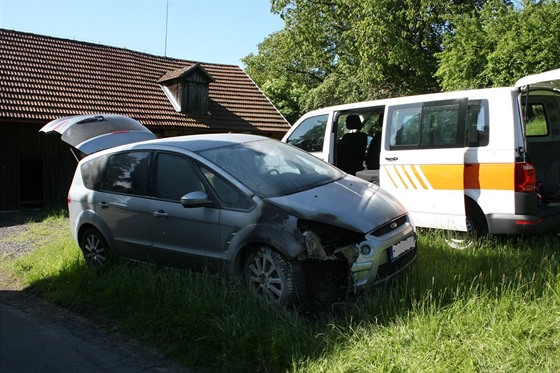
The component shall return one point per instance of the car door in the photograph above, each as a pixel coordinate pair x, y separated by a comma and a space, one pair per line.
313, 134
123, 205
181, 235
92, 133
422, 161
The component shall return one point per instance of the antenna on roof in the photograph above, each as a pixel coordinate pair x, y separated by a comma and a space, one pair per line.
166, 22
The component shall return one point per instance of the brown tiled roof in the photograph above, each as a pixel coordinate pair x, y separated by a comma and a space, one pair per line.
43, 78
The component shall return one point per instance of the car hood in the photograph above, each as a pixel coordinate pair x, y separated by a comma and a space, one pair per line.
349, 203
548, 79
92, 133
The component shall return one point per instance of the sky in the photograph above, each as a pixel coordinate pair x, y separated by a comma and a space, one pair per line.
215, 31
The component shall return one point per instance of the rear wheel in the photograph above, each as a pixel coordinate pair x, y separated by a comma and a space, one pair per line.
274, 278
476, 229
95, 249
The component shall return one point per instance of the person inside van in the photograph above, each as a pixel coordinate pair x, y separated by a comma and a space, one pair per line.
352, 146
373, 152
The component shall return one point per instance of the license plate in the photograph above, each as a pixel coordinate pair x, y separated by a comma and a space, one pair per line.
402, 247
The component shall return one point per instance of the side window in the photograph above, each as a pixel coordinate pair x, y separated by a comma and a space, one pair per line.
403, 125
310, 134
175, 177
478, 128
127, 173
92, 172
536, 124
429, 125
227, 193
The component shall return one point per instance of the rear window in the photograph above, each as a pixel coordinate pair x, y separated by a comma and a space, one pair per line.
127, 173
536, 123
441, 124
428, 125
92, 172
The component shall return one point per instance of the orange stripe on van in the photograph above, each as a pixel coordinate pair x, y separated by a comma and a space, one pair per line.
446, 176
494, 176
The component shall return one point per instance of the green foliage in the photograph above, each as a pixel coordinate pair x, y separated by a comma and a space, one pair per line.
492, 307
499, 44
344, 51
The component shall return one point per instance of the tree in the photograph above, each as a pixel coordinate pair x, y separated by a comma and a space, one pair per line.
499, 44
338, 51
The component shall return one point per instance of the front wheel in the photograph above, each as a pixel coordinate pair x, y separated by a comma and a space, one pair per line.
95, 249
274, 278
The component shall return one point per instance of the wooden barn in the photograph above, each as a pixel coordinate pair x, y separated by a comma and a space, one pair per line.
43, 78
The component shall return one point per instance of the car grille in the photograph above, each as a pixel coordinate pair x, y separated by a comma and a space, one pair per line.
389, 269
386, 228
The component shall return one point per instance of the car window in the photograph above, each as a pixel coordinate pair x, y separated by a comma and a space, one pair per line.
127, 173
92, 171
175, 177
229, 195
270, 168
478, 123
310, 134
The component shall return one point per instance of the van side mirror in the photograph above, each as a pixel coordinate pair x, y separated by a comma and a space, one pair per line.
195, 199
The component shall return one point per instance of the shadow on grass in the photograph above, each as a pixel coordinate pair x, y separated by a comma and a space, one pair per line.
19, 217
208, 323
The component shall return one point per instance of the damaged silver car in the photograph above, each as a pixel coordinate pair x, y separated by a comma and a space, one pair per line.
292, 226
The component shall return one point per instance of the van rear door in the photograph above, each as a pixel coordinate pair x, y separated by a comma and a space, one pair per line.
549, 79
422, 161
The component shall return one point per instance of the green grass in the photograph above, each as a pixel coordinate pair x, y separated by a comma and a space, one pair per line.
494, 308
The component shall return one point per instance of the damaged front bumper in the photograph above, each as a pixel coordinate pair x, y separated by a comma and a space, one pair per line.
379, 259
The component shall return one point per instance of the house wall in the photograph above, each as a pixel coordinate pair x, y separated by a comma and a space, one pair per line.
36, 169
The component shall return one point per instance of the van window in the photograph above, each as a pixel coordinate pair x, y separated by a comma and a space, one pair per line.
310, 134
478, 129
127, 173
427, 125
536, 124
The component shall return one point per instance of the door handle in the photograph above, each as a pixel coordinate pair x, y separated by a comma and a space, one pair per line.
391, 159
160, 214
103, 204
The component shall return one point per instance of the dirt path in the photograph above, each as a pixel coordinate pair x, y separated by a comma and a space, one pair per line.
37, 335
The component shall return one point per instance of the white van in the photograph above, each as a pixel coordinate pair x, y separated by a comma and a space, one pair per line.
477, 161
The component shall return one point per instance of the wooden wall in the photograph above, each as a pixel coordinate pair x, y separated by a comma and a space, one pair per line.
36, 169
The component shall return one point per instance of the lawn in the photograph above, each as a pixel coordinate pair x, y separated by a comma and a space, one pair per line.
494, 308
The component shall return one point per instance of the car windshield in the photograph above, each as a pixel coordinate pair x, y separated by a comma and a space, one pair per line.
270, 168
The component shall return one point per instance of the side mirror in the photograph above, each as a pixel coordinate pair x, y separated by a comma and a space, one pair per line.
195, 199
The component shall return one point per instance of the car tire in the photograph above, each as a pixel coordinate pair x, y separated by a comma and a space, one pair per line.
95, 248
477, 228
274, 278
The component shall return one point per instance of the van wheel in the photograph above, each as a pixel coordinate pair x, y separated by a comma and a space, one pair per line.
95, 249
274, 278
477, 228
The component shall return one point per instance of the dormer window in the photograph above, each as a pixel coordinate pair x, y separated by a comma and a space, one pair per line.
187, 89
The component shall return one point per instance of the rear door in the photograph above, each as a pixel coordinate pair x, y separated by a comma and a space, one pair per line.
92, 133
422, 161
123, 205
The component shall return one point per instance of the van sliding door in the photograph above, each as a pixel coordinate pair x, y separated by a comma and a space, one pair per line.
422, 161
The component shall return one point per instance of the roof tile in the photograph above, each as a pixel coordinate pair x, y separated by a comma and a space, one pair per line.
43, 78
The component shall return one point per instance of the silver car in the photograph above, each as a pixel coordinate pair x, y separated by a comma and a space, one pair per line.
292, 226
